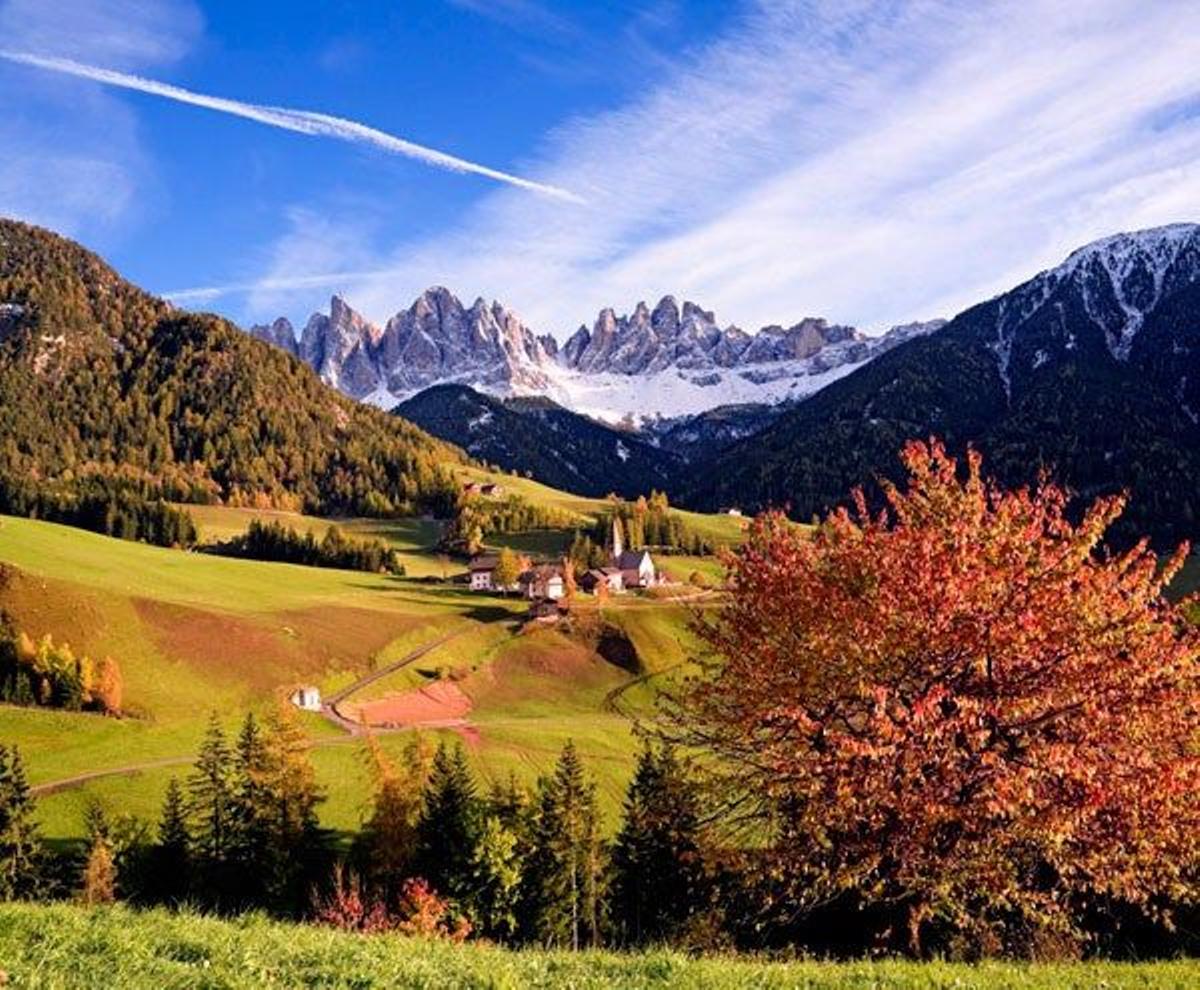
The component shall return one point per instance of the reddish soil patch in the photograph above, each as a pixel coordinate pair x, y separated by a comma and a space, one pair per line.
273, 649
439, 703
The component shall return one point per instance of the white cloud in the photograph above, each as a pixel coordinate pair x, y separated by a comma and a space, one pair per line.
872, 162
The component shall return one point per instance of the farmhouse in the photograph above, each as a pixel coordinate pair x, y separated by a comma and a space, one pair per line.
544, 581
482, 572
481, 569
306, 697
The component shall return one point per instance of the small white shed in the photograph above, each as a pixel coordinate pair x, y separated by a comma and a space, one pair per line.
307, 698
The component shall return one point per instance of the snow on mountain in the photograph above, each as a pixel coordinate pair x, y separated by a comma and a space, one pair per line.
667, 362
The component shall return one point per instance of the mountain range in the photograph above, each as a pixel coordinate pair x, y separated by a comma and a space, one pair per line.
667, 362
1088, 371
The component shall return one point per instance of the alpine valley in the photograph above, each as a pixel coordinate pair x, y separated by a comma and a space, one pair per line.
1087, 371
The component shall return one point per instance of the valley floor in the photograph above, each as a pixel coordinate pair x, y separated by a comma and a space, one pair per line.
62, 947
196, 633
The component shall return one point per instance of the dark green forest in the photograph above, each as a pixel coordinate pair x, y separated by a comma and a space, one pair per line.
107, 388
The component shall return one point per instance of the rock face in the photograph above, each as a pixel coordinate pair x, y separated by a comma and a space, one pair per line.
646, 341
280, 333
679, 354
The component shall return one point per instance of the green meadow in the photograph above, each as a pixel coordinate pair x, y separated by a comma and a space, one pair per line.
196, 633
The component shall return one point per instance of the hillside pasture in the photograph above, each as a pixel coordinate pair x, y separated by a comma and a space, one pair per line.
196, 633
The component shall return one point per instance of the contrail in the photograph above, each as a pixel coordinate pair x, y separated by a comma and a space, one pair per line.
301, 121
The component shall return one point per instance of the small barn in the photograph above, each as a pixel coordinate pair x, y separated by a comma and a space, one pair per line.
609, 577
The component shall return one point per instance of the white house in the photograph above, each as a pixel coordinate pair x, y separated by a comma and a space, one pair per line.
637, 569
306, 697
481, 569
636, 566
543, 581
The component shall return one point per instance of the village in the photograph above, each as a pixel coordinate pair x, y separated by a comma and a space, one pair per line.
546, 584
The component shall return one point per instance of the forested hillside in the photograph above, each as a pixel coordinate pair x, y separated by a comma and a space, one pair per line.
104, 387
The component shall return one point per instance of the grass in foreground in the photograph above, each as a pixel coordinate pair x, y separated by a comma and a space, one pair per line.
62, 946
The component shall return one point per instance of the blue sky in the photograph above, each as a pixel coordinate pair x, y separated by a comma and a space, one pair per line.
872, 162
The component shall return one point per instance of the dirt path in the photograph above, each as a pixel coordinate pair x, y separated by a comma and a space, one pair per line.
132, 769
330, 707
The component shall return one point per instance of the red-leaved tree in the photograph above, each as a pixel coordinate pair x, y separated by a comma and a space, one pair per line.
961, 708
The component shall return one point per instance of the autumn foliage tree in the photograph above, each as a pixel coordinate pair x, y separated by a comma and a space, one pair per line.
961, 712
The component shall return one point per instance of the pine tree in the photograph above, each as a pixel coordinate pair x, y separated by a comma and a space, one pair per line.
248, 834
172, 854
20, 846
209, 798
449, 825
657, 867
561, 900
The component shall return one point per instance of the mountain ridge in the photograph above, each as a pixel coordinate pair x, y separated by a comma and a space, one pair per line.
679, 353
1087, 369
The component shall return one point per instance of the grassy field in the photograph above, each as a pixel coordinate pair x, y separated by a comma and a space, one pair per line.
720, 529
63, 947
195, 633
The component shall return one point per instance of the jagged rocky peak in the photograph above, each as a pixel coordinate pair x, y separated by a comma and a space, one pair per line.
281, 333
689, 337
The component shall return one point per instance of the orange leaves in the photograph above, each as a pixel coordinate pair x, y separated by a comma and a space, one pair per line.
995, 711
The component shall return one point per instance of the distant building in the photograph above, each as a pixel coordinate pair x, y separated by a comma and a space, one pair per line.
307, 698
547, 610
636, 566
491, 490
731, 511
637, 569
481, 570
544, 581
611, 577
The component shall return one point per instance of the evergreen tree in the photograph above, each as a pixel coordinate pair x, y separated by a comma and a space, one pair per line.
172, 854
449, 825
561, 902
248, 834
658, 877
209, 799
20, 846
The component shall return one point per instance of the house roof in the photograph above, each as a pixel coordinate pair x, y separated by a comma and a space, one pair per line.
632, 559
542, 572
484, 562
